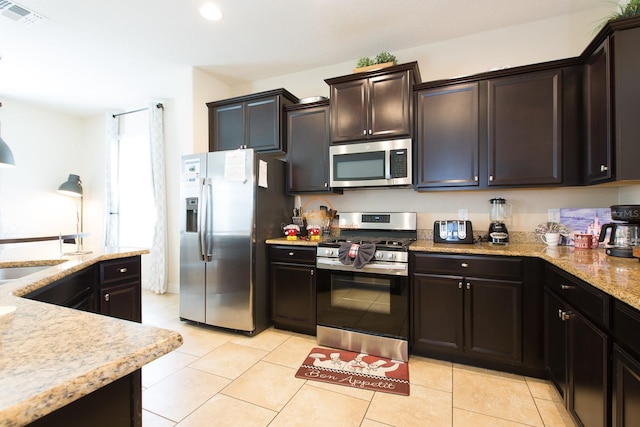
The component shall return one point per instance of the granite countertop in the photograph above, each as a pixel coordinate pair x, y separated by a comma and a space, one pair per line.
51, 355
618, 277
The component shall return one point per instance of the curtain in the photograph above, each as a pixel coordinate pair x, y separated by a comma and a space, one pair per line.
158, 279
111, 223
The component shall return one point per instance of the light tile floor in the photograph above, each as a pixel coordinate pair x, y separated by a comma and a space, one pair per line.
223, 379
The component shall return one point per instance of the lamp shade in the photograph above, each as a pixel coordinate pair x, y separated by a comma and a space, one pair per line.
72, 186
6, 156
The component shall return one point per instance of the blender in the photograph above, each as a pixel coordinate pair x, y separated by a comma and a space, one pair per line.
498, 213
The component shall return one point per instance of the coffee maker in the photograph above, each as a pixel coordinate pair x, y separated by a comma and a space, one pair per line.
623, 236
498, 213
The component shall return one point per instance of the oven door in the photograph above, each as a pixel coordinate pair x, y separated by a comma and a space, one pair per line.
370, 303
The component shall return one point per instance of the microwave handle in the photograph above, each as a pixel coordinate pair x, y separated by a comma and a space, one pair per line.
387, 164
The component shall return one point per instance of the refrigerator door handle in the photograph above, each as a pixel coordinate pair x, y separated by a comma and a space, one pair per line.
201, 221
208, 220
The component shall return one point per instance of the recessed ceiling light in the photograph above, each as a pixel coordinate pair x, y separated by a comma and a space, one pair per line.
211, 12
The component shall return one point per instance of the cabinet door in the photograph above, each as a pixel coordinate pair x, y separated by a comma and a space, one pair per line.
261, 118
390, 106
598, 115
627, 103
228, 124
588, 371
437, 313
122, 301
626, 389
555, 342
293, 297
447, 139
308, 150
349, 120
493, 319
525, 128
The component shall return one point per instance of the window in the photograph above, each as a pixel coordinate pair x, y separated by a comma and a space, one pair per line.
137, 211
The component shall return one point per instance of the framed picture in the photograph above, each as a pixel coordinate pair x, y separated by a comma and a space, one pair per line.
583, 220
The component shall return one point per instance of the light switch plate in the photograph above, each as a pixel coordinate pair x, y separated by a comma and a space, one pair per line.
554, 215
463, 214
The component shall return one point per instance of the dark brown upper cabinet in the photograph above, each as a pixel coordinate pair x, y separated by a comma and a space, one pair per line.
525, 129
251, 121
612, 100
447, 135
308, 148
373, 105
518, 127
597, 91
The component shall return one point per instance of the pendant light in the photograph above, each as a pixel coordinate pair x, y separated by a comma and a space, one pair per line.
6, 156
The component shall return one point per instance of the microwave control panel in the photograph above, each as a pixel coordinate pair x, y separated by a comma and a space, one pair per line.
398, 163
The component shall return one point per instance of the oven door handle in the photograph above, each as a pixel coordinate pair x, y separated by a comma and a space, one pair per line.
386, 268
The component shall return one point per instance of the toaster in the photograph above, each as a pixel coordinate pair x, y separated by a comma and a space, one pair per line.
452, 231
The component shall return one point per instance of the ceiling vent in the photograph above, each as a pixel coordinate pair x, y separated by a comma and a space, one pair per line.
18, 13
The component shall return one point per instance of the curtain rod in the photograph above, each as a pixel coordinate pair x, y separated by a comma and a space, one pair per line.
136, 111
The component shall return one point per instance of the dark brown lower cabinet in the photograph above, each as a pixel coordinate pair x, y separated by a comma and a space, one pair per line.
626, 366
116, 404
293, 288
626, 389
577, 347
117, 284
478, 318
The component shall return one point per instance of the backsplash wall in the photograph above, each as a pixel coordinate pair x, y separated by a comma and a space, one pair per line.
530, 206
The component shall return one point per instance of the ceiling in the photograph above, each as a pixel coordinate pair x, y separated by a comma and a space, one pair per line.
90, 56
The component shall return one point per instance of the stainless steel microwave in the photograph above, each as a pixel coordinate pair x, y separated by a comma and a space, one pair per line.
371, 164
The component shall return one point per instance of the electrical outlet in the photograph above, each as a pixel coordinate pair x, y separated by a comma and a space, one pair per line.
463, 214
554, 215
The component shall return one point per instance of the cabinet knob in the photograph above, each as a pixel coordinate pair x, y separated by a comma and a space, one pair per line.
566, 315
464, 265
475, 178
123, 270
566, 287
490, 177
560, 313
603, 168
326, 185
459, 285
468, 285
107, 297
364, 132
311, 272
291, 253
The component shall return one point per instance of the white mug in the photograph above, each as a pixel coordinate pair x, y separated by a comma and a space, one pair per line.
551, 239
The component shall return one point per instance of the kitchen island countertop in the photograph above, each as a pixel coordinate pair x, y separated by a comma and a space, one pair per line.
618, 277
50, 355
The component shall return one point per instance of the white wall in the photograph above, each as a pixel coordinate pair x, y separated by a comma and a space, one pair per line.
47, 147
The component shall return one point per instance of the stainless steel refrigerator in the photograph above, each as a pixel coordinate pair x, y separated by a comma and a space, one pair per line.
231, 202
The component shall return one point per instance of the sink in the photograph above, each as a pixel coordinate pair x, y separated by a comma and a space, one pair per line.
11, 273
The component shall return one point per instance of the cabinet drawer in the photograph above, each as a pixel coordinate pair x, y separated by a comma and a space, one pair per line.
589, 301
469, 265
121, 269
626, 324
293, 254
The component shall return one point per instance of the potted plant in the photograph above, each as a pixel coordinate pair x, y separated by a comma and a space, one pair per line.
632, 8
381, 60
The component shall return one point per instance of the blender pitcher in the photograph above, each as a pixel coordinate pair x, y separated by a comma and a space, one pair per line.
499, 211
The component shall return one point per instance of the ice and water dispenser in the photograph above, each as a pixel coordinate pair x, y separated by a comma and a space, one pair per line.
192, 215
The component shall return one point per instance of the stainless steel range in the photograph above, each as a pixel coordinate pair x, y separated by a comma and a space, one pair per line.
363, 284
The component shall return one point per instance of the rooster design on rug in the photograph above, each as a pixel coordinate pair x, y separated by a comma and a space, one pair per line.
356, 365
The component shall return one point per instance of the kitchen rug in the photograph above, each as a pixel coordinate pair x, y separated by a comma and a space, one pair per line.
355, 370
